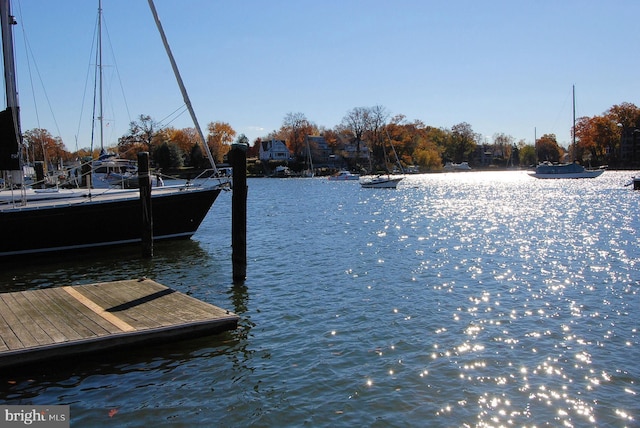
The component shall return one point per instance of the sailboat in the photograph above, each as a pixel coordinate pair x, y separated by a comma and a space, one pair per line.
308, 171
566, 170
40, 221
383, 181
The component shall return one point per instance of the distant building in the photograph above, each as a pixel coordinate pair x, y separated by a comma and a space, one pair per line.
349, 149
274, 150
320, 151
630, 147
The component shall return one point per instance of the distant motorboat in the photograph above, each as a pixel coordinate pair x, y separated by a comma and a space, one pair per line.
380, 182
463, 166
344, 176
565, 170
281, 172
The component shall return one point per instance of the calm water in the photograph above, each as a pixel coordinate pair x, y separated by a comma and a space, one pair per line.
471, 299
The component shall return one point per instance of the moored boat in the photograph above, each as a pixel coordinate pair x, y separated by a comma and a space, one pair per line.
548, 170
344, 176
463, 166
566, 170
47, 220
380, 182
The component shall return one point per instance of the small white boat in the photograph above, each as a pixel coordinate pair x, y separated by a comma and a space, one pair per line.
344, 176
565, 170
380, 182
463, 166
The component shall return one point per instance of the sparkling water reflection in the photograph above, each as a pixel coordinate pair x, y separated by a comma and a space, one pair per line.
471, 299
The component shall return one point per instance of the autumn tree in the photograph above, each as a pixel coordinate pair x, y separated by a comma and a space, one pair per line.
375, 135
356, 122
295, 128
139, 138
596, 136
461, 143
626, 117
219, 139
42, 146
503, 146
547, 149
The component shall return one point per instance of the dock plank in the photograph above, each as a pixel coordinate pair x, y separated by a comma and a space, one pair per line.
181, 305
116, 296
41, 324
9, 339
60, 316
20, 330
38, 324
79, 316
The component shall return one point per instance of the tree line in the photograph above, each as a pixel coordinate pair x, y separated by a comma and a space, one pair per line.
607, 139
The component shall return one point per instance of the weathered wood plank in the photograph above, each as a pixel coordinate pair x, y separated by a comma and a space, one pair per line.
56, 322
59, 315
80, 317
9, 339
108, 295
181, 306
39, 324
12, 315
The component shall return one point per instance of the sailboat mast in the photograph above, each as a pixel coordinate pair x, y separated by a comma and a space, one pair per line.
185, 96
100, 105
573, 130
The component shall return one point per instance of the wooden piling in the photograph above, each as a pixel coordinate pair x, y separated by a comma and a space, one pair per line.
86, 179
238, 161
144, 183
38, 167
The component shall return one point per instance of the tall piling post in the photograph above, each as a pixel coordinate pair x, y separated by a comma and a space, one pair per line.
38, 167
238, 161
144, 182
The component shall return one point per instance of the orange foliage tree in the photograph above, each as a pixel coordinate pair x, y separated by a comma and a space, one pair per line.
219, 139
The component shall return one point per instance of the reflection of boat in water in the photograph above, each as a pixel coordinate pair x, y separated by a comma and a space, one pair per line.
565, 170
380, 182
52, 220
344, 176
463, 166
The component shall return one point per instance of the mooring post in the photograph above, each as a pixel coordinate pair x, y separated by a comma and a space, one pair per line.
85, 173
144, 182
238, 161
38, 167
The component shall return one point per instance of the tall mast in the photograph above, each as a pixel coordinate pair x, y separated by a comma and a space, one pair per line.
573, 130
100, 112
185, 96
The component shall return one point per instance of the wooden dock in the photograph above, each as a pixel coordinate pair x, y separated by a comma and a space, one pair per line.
42, 324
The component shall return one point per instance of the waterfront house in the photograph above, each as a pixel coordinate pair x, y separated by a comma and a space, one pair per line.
349, 149
274, 150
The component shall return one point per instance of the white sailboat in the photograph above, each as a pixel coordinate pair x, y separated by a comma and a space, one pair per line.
383, 181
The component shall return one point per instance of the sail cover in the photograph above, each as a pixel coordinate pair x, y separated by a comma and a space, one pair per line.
9, 159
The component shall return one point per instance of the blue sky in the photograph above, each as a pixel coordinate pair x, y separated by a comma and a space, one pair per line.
501, 66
